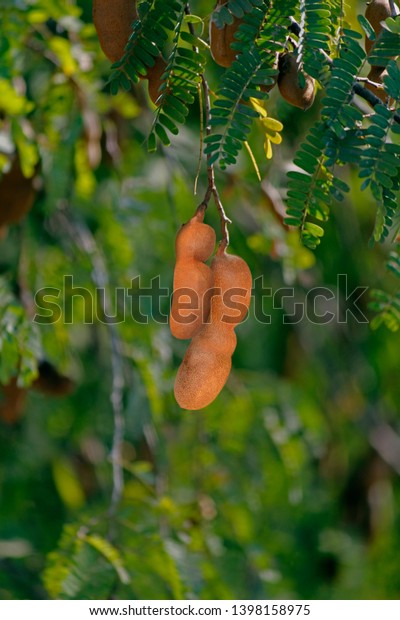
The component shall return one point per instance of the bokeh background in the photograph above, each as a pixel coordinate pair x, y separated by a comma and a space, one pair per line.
287, 486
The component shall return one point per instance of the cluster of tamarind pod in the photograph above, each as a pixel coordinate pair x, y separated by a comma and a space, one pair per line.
113, 22
208, 302
49, 381
376, 12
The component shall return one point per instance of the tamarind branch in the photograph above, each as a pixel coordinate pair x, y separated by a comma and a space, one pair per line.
83, 238
212, 188
358, 89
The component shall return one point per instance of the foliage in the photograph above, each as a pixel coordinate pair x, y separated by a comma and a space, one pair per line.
337, 139
260, 38
281, 488
388, 305
19, 340
225, 14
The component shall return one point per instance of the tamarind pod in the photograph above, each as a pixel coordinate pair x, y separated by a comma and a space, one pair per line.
154, 75
218, 337
51, 382
201, 376
221, 39
190, 307
17, 195
289, 85
207, 363
376, 12
190, 304
195, 239
113, 22
12, 403
233, 277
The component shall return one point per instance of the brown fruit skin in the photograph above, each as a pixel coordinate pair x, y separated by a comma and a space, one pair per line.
376, 12
221, 39
154, 75
17, 196
377, 74
206, 366
194, 244
113, 22
288, 83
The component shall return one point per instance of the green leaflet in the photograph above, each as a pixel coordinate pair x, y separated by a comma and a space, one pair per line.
380, 166
331, 141
233, 8
314, 36
387, 306
180, 84
20, 345
83, 567
147, 41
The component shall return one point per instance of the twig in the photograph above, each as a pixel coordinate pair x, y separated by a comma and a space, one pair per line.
201, 145
393, 8
212, 188
366, 80
84, 239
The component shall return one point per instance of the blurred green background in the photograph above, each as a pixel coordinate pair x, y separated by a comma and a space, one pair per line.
287, 486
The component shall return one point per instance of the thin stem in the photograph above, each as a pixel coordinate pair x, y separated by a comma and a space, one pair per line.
201, 145
211, 188
366, 80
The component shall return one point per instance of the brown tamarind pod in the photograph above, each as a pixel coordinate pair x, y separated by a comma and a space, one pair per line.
190, 308
154, 75
221, 39
376, 12
207, 363
17, 196
12, 402
113, 22
51, 382
289, 85
377, 75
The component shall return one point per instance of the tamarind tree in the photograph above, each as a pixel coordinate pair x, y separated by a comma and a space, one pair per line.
278, 123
